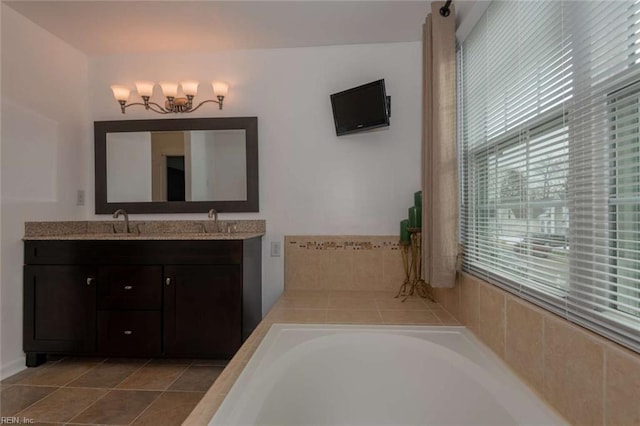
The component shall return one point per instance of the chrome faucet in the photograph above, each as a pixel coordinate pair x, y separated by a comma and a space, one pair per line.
213, 214
117, 214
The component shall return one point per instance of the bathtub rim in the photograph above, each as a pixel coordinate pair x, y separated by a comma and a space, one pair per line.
488, 358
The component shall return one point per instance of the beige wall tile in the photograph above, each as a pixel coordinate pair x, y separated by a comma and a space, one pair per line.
452, 300
491, 314
393, 271
439, 295
409, 317
445, 317
469, 301
524, 341
310, 301
301, 269
353, 316
573, 372
410, 304
367, 270
297, 315
361, 294
622, 390
342, 263
335, 269
352, 303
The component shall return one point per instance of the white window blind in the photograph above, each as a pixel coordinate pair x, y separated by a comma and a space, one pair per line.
549, 134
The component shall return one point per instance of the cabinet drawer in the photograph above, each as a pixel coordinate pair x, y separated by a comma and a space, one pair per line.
129, 332
130, 287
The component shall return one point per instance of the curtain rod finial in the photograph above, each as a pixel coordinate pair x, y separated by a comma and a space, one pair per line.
444, 10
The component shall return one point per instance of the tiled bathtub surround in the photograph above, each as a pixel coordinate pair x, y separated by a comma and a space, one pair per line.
48, 229
321, 307
588, 379
355, 263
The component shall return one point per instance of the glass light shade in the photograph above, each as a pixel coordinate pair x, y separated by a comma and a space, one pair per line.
145, 88
121, 93
170, 90
220, 88
190, 87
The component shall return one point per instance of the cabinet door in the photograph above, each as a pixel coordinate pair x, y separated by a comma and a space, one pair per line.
59, 308
203, 310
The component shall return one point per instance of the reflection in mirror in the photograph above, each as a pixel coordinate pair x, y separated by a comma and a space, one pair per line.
192, 165
188, 165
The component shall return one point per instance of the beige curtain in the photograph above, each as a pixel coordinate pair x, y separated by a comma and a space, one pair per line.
439, 159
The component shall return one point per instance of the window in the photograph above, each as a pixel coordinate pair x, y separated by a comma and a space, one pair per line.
625, 200
549, 135
521, 219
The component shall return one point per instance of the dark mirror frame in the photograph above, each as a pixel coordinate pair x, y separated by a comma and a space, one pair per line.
249, 124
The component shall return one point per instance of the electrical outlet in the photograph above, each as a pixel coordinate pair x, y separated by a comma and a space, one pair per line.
80, 197
275, 249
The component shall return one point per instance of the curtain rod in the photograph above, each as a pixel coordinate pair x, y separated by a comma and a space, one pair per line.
444, 10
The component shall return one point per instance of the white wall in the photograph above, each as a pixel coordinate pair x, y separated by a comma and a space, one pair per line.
311, 182
129, 167
44, 151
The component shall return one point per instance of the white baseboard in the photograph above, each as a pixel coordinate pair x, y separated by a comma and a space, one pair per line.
13, 367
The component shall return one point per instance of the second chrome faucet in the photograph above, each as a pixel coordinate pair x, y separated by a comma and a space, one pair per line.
117, 214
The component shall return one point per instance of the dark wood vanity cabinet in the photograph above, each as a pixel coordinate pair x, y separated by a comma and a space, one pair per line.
177, 298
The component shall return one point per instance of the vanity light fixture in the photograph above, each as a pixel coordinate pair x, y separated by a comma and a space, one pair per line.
173, 103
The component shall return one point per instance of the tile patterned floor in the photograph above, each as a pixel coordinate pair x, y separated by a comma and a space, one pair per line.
114, 391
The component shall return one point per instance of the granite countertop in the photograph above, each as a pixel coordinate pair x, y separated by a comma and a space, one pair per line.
144, 230
149, 236
320, 307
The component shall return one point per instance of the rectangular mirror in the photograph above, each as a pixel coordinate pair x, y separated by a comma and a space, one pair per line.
177, 165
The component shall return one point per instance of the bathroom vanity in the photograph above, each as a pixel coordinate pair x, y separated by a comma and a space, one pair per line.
164, 295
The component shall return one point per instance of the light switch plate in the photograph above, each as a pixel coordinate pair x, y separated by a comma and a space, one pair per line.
275, 249
80, 197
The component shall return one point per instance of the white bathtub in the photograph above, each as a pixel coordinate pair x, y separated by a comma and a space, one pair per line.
378, 375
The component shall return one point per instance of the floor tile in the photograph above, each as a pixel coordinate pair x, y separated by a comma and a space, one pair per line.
62, 405
15, 398
58, 374
171, 408
107, 375
22, 375
153, 377
118, 407
197, 378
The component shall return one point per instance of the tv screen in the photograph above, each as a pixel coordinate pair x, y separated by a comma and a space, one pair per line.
361, 108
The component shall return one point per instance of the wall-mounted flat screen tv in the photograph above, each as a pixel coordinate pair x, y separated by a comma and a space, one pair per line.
361, 108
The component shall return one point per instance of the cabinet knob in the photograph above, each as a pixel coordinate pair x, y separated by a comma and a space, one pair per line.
128, 332
128, 287
168, 281
89, 280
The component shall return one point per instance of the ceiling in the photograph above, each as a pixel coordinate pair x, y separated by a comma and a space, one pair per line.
121, 27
